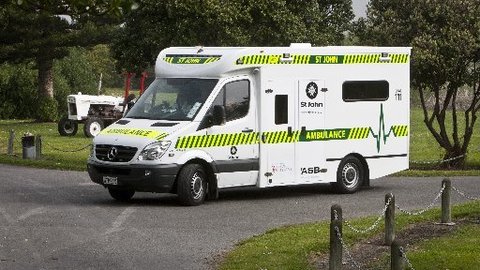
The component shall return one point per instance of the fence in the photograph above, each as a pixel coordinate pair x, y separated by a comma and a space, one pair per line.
398, 254
36, 145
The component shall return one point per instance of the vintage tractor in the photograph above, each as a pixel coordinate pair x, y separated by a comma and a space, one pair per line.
97, 112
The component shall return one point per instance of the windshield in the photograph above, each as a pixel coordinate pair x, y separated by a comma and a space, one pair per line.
172, 99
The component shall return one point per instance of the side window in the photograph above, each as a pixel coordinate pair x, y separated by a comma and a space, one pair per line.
281, 109
235, 97
365, 91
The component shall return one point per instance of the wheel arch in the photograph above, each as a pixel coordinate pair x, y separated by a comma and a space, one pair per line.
212, 190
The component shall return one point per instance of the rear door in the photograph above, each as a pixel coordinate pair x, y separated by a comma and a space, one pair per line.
277, 130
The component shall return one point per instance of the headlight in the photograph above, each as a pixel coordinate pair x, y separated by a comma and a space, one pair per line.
154, 151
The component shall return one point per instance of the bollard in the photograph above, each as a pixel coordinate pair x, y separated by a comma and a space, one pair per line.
336, 249
38, 146
11, 140
396, 261
446, 207
28, 146
390, 219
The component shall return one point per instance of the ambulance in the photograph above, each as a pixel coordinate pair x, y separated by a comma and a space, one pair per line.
223, 117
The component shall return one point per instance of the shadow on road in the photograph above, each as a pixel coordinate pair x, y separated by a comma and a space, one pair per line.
97, 196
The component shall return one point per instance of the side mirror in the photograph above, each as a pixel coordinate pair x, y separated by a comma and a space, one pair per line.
219, 115
130, 104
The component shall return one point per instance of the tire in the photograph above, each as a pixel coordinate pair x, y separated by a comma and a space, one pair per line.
192, 185
121, 195
93, 126
350, 175
67, 127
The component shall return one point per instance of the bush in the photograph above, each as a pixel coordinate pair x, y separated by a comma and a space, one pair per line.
77, 72
19, 97
18, 91
47, 110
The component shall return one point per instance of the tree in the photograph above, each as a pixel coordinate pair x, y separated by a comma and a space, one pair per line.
159, 24
41, 31
445, 36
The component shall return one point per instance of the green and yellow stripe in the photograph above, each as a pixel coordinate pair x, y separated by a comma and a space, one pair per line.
279, 137
275, 137
358, 133
190, 60
303, 59
217, 140
400, 130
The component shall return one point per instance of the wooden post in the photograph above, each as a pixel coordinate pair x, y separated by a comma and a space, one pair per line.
11, 140
446, 207
396, 261
336, 249
38, 146
390, 219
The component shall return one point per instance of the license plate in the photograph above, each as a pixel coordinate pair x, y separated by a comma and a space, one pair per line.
110, 180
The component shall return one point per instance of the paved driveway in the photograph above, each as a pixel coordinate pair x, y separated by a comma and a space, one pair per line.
60, 220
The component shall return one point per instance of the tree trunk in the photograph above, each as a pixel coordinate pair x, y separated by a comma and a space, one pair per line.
47, 105
45, 77
454, 159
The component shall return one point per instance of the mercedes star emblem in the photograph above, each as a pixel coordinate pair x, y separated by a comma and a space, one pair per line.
112, 153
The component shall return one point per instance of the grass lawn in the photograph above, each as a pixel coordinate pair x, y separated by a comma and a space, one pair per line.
462, 253
423, 147
291, 247
52, 144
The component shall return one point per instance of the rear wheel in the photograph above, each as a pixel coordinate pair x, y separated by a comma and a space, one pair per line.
67, 127
122, 195
192, 185
350, 175
93, 126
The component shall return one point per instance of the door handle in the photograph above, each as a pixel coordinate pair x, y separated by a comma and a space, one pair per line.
303, 131
247, 130
290, 133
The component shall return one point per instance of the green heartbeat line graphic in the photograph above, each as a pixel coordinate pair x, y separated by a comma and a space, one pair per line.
354, 133
398, 130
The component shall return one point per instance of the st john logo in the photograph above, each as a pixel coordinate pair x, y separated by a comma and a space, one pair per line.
312, 90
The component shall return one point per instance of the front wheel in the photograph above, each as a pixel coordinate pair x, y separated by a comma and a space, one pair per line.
93, 126
122, 195
350, 175
192, 185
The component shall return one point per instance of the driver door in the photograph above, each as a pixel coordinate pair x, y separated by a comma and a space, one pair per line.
234, 145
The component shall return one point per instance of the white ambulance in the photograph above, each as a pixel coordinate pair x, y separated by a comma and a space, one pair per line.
221, 117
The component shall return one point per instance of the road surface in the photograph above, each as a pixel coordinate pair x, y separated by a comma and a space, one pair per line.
60, 220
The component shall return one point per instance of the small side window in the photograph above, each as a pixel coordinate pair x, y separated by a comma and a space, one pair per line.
365, 91
281, 109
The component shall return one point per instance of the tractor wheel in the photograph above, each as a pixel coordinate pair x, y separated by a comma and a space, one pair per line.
93, 126
67, 127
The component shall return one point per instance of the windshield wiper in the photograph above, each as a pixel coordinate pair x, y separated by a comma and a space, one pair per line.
138, 117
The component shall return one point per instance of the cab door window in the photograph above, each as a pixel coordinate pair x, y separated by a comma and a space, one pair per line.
235, 97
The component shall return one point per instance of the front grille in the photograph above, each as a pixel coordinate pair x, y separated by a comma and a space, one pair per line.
107, 152
72, 108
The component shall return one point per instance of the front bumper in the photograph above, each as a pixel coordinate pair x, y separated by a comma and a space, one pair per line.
146, 178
